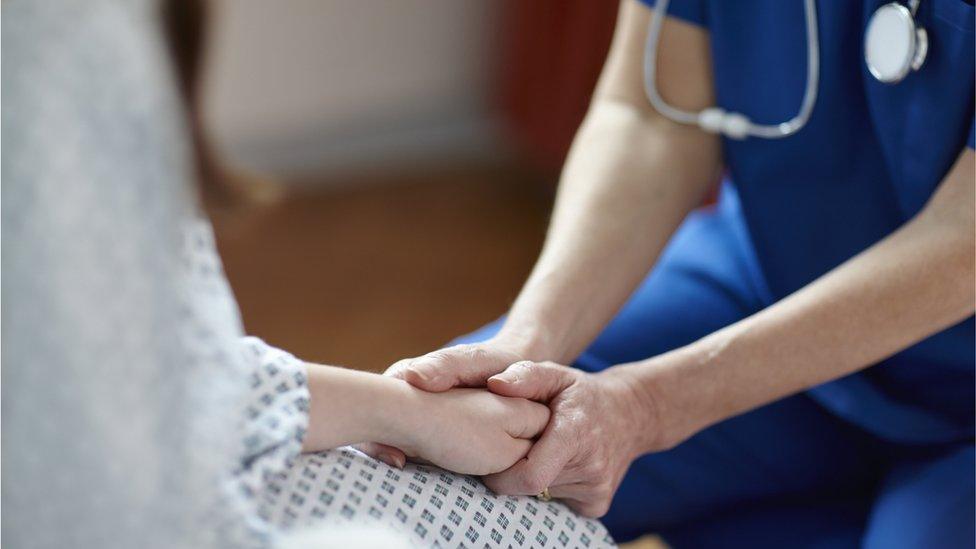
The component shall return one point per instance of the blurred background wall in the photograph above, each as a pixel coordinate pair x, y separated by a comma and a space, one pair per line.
412, 149
308, 85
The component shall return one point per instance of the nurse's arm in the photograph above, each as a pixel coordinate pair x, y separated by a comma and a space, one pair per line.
630, 179
914, 283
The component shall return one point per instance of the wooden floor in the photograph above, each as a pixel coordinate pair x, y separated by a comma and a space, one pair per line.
374, 269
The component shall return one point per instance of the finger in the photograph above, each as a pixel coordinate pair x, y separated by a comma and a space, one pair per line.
462, 365
534, 473
577, 491
529, 419
394, 457
398, 368
402, 370
582, 497
540, 381
420, 461
584, 507
519, 448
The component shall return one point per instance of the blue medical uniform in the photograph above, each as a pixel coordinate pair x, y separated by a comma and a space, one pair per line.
882, 458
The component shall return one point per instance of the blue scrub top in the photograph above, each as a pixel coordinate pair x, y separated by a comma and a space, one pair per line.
867, 161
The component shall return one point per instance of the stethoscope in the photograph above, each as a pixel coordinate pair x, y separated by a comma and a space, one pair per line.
894, 45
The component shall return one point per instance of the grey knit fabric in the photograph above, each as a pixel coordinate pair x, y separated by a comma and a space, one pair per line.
122, 368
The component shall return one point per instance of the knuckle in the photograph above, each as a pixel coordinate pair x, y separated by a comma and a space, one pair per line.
437, 359
569, 428
437, 356
593, 469
477, 354
397, 368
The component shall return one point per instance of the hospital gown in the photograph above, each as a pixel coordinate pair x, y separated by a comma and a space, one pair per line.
135, 411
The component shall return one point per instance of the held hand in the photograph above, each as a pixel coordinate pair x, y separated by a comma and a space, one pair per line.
468, 365
469, 431
600, 423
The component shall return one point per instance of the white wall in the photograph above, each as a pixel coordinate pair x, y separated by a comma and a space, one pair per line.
299, 85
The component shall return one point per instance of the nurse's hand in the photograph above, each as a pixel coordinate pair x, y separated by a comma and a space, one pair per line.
466, 365
599, 424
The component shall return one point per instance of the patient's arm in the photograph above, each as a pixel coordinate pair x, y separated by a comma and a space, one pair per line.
465, 430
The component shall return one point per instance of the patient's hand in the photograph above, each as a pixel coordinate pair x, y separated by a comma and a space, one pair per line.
468, 431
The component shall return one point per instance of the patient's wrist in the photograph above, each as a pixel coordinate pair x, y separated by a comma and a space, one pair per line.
396, 413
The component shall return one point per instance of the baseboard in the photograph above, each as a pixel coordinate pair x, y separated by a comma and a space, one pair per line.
371, 147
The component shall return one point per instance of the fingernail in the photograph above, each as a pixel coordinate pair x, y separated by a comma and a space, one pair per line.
507, 380
389, 459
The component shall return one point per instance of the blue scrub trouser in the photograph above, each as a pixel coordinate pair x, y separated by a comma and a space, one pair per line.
789, 474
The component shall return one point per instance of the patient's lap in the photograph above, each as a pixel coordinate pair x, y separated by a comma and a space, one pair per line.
428, 505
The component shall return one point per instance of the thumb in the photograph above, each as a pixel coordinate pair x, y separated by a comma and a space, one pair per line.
461, 365
422, 372
389, 455
539, 381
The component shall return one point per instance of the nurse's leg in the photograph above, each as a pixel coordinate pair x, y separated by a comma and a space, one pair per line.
926, 503
706, 279
768, 475
788, 450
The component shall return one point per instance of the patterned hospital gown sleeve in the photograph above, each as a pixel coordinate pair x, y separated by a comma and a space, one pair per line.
275, 413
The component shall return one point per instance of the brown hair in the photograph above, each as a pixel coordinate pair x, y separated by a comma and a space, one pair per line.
184, 26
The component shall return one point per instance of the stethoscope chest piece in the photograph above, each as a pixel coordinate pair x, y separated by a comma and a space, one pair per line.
893, 44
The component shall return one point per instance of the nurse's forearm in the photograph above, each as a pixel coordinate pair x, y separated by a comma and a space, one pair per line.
628, 183
914, 283
630, 178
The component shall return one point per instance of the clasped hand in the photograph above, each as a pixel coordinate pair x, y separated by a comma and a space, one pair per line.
469, 431
593, 433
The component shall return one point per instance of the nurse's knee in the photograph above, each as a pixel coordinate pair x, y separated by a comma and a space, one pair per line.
927, 505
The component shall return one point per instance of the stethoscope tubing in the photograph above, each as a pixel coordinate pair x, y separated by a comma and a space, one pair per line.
702, 119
